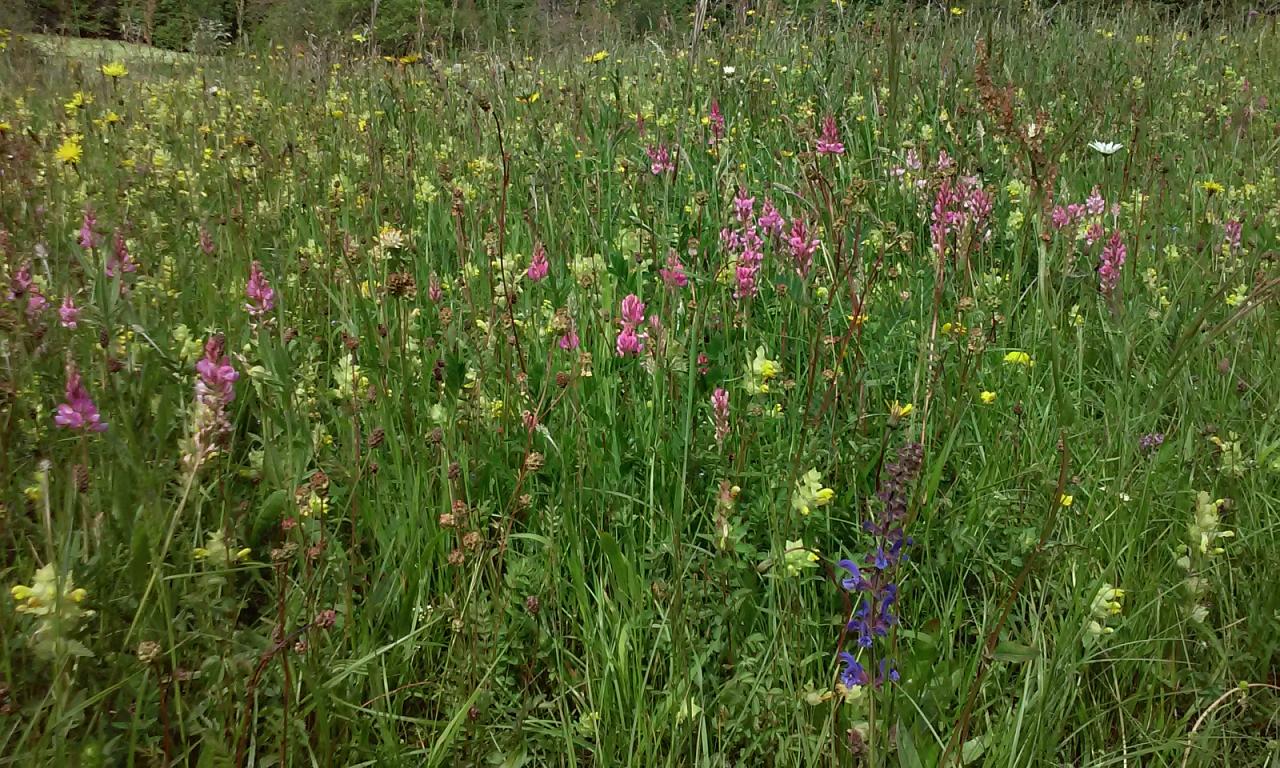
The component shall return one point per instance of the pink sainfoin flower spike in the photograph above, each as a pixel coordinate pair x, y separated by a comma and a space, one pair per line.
1059, 217
717, 123
829, 141
217, 376
801, 246
673, 274
1113, 255
119, 261
21, 283
743, 206
770, 220
78, 413
434, 291
87, 237
629, 342
1234, 232
659, 160
570, 341
69, 313
720, 413
539, 267
1094, 233
215, 388
262, 297
1095, 204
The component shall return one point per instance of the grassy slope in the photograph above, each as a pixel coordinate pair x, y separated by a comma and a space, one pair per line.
654, 638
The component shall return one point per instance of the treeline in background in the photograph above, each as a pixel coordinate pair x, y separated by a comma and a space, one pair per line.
400, 26
391, 25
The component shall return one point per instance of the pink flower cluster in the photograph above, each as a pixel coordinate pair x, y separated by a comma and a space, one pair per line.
720, 413
673, 274
1094, 206
215, 389
262, 297
22, 286
659, 160
802, 248
217, 377
87, 237
717, 124
539, 267
956, 207
746, 244
630, 339
119, 261
1113, 256
78, 413
829, 141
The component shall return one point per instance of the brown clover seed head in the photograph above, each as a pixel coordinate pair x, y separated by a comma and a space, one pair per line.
148, 651
437, 436
374, 467
532, 605
401, 284
300, 646
563, 379
456, 557
82, 478
524, 501
114, 365
326, 619
560, 321
446, 317
534, 461
472, 540
447, 520
104, 338
455, 470
459, 507
319, 483
377, 437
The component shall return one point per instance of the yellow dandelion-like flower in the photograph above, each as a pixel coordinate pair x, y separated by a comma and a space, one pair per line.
987, 397
1066, 500
1017, 357
115, 69
69, 151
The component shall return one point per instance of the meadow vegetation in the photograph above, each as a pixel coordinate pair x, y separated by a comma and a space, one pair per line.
866, 387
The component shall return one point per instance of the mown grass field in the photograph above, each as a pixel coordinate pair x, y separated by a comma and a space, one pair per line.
811, 393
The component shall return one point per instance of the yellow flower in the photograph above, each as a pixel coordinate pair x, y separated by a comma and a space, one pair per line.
1066, 500
5, 126
898, 412
988, 397
597, 57
69, 151
797, 556
1019, 358
114, 69
1238, 297
760, 371
1211, 187
810, 493
957, 10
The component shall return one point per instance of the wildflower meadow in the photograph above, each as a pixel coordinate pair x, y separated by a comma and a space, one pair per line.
861, 386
